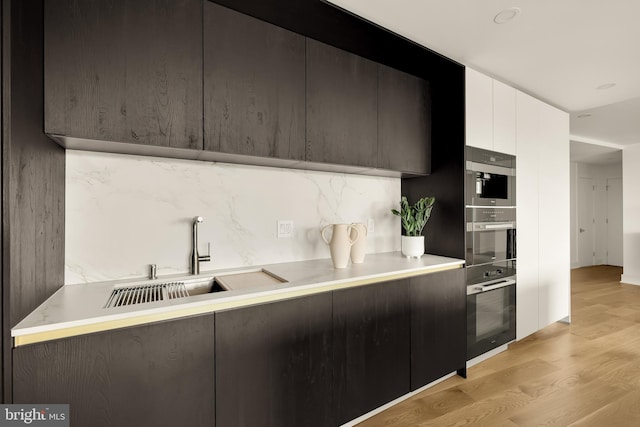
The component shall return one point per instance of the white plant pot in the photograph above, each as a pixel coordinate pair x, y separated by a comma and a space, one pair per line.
412, 246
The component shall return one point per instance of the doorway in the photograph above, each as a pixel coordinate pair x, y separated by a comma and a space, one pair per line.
596, 205
586, 222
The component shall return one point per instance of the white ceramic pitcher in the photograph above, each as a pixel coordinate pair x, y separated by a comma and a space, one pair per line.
359, 247
342, 238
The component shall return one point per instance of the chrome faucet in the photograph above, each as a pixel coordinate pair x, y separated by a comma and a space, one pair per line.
195, 258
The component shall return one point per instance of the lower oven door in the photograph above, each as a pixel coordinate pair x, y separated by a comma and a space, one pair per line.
491, 316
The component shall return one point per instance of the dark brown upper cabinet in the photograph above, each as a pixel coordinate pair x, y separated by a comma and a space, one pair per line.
404, 122
253, 86
126, 71
341, 107
228, 87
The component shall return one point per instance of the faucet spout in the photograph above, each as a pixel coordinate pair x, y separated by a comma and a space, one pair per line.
195, 257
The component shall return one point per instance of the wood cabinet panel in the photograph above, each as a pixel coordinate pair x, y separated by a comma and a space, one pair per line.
438, 325
254, 85
372, 344
273, 364
404, 122
127, 71
155, 375
341, 107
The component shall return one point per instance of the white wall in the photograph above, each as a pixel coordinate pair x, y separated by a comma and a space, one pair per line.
573, 171
631, 214
125, 212
600, 174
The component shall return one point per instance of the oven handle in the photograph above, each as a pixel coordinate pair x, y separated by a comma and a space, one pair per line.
476, 289
494, 226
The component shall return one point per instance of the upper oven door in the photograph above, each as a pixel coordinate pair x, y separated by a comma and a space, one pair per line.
490, 242
491, 235
488, 185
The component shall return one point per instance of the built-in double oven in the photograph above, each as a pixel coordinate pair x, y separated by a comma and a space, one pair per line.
490, 250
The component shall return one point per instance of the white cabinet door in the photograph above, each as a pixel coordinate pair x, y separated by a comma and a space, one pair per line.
543, 291
554, 216
527, 291
478, 109
504, 118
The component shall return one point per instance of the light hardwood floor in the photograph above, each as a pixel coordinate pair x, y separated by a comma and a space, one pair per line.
583, 374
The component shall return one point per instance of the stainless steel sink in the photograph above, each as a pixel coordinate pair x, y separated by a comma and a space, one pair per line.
157, 290
200, 285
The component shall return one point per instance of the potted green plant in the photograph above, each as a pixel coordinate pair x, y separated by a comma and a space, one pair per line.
414, 218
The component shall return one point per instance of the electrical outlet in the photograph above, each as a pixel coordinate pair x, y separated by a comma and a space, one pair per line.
370, 226
285, 229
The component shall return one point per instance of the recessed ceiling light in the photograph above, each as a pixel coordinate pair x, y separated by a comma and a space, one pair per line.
606, 86
506, 15
584, 116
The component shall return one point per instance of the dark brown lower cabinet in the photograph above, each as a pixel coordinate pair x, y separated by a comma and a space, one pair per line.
371, 347
160, 374
320, 360
273, 364
438, 325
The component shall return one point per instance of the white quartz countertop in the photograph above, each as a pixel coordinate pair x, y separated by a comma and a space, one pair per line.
78, 308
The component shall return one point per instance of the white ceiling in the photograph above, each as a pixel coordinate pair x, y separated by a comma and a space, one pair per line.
559, 51
594, 154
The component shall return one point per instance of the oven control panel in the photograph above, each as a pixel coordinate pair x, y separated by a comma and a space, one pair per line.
481, 214
489, 272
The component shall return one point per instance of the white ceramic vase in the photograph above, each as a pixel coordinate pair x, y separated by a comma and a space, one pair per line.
360, 246
412, 246
340, 243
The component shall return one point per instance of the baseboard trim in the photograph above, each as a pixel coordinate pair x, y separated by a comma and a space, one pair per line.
395, 402
388, 405
566, 320
629, 280
484, 356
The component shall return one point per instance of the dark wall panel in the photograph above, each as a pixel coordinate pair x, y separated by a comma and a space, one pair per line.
445, 231
33, 176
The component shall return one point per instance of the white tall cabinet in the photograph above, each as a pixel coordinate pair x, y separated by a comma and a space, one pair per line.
501, 118
543, 290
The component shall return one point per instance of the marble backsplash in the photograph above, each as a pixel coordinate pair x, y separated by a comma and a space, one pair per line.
126, 212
